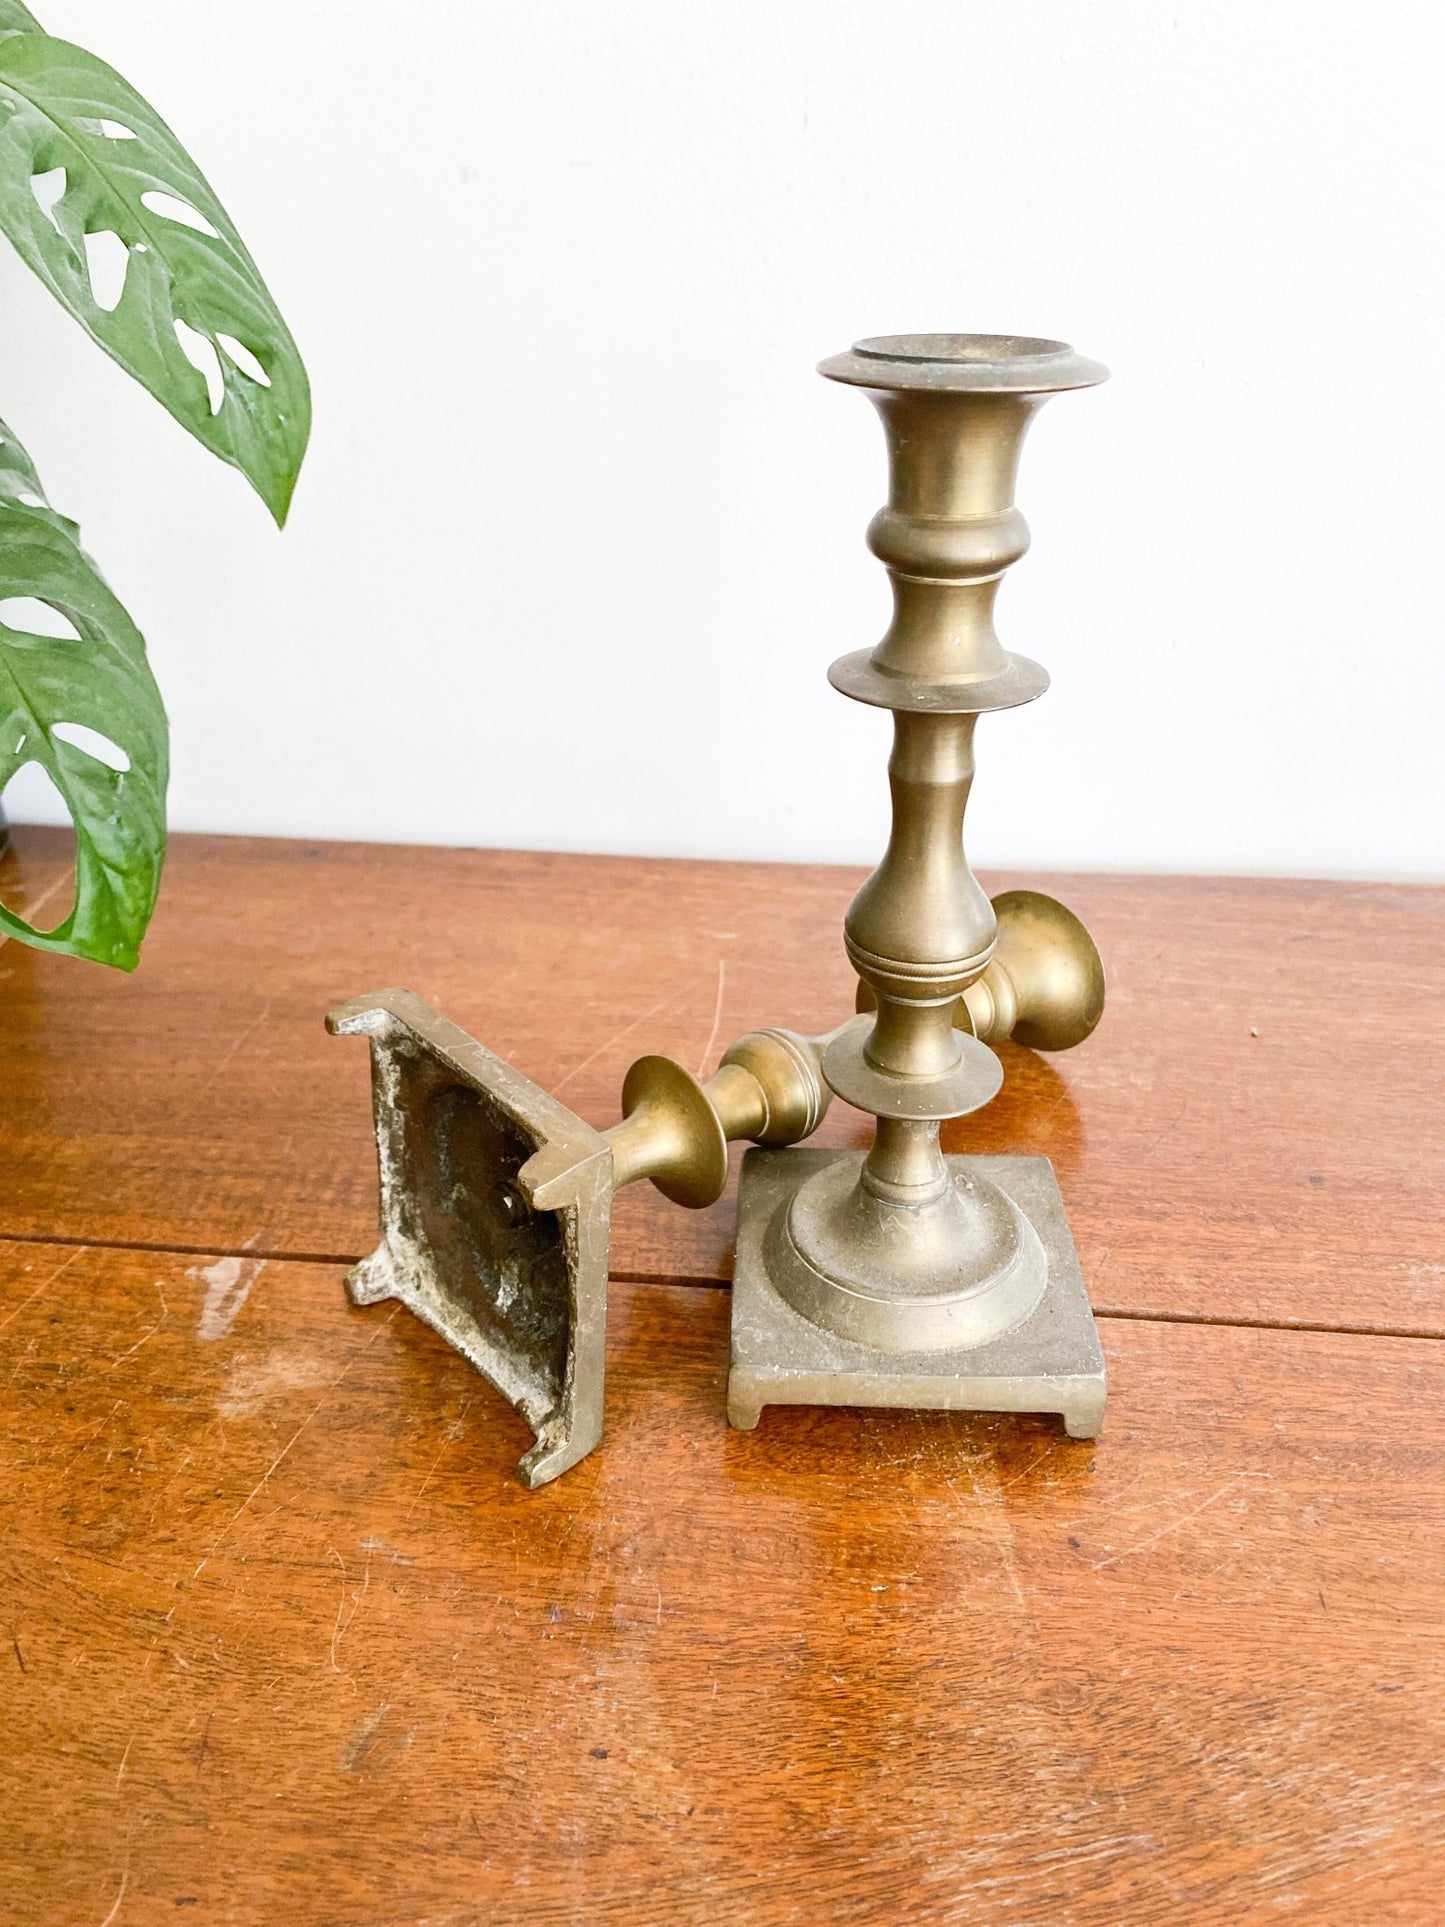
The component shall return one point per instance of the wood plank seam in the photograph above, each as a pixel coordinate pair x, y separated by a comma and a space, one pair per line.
254, 1253
1233, 1143
165, 1248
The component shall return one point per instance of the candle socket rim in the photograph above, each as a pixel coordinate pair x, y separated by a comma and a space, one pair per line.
963, 363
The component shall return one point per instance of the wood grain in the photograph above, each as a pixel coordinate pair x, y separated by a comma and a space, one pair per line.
283, 1639
1254, 1133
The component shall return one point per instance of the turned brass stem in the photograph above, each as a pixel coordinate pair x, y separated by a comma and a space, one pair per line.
910, 1251
921, 927
739, 1101
675, 1130
906, 1166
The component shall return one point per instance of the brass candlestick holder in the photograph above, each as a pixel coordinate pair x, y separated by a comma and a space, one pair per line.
904, 1277
899, 1277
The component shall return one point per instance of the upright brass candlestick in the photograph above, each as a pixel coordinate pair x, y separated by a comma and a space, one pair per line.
902, 1277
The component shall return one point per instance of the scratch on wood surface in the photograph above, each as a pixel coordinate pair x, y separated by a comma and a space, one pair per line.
45, 1283
717, 1011
120, 1770
1047, 1453
124, 1880
1079, 1853
91, 1436
1174, 1525
156, 1501
616, 1038
131, 1350
1166, 1131
23, 1358
228, 1282
431, 1474
244, 1039
340, 1629
340, 1607
19, 1656
990, 1497
990, 1508
260, 1484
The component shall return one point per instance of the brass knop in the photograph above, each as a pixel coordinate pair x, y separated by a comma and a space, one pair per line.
1044, 984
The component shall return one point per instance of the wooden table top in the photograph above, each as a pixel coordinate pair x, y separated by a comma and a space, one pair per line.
286, 1641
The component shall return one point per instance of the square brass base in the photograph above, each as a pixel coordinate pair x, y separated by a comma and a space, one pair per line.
1052, 1362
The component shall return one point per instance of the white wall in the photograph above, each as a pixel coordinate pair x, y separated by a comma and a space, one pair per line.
580, 529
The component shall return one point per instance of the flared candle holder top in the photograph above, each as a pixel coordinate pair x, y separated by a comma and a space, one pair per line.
965, 364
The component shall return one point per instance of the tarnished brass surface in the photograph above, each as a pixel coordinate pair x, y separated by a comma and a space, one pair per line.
901, 1277
909, 1252
496, 1200
902, 1294
520, 1291
1049, 1362
1044, 985
675, 1131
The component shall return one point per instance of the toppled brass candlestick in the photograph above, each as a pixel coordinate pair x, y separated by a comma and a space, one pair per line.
904, 1277
496, 1200
901, 1278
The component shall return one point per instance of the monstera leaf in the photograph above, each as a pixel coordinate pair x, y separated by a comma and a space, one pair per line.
17, 19
86, 709
93, 184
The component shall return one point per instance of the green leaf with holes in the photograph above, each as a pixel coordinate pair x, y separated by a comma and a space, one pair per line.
81, 154
95, 681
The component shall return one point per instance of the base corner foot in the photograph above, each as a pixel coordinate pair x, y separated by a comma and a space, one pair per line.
744, 1411
1086, 1422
